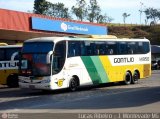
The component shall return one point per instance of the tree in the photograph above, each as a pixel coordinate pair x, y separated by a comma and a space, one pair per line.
104, 19
40, 6
125, 15
153, 14
109, 19
59, 10
93, 11
47, 8
101, 19
80, 10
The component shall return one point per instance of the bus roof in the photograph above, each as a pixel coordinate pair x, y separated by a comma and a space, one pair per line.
3, 44
11, 46
57, 39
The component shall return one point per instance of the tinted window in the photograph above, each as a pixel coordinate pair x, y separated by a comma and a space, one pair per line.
123, 48
139, 47
74, 48
111, 48
37, 47
59, 57
131, 47
101, 48
2, 54
5, 54
10, 51
90, 46
146, 47
93, 48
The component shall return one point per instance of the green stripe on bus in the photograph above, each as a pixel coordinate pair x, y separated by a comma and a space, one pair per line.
95, 69
91, 69
100, 69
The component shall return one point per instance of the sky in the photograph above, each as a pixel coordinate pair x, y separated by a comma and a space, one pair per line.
113, 8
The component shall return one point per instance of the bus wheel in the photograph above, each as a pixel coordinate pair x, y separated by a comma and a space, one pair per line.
12, 81
73, 85
135, 77
128, 78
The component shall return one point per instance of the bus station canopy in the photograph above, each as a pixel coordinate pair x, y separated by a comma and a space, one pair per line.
19, 26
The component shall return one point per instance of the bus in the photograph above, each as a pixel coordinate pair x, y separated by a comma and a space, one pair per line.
9, 64
70, 62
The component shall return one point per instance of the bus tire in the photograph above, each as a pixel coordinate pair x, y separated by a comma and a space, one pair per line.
12, 81
135, 78
128, 78
73, 85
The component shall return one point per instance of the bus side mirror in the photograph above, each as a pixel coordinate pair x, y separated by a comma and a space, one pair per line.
48, 57
14, 55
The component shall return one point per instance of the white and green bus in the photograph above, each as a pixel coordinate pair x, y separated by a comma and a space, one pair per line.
69, 62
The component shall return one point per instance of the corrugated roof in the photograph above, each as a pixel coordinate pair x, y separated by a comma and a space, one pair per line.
15, 25
155, 49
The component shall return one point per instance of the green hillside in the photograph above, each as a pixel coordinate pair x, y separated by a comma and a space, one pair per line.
132, 31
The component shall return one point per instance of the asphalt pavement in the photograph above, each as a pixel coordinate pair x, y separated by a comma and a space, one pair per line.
143, 97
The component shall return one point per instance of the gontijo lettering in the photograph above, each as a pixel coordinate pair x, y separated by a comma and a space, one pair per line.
123, 60
8, 65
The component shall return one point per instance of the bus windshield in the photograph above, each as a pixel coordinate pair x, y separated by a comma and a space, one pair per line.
35, 54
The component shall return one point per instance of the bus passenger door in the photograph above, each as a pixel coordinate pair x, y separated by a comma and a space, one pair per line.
59, 57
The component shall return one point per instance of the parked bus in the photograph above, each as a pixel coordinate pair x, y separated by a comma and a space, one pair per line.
8, 64
69, 62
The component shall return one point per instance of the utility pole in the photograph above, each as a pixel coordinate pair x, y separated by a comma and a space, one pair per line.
141, 4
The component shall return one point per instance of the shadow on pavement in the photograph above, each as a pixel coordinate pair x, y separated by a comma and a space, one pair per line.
100, 99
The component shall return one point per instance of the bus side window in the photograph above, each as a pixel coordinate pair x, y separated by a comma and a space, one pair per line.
139, 48
89, 51
77, 48
2, 52
89, 48
123, 48
100, 48
112, 48
9, 53
132, 47
110, 51
83, 48
146, 47
59, 57
71, 49
74, 48
129, 49
70, 53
